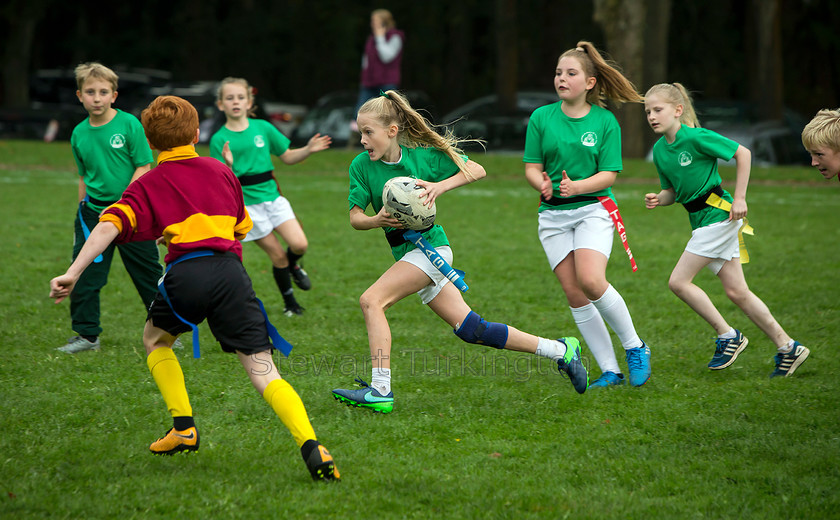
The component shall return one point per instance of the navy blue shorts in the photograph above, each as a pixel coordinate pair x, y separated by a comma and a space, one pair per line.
218, 289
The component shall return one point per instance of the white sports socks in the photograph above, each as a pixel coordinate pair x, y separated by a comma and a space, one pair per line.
597, 337
614, 311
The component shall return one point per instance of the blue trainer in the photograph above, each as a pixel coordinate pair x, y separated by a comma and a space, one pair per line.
638, 361
608, 379
727, 350
786, 364
571, 364
366, 397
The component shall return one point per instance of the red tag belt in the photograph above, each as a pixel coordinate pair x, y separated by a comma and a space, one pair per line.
612, 209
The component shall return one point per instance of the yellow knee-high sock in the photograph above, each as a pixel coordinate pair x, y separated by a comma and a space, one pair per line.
287, 405
167, 373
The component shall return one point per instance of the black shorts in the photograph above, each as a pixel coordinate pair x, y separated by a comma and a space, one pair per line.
218, 289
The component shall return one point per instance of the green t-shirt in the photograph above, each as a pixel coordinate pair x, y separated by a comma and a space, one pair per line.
252, 149
582, 146
368, 178
108, 155
689, 166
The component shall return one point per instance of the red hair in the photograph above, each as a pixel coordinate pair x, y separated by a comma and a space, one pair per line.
169, 121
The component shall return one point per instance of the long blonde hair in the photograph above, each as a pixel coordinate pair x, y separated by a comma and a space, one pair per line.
677, 94
610, 82
413, 129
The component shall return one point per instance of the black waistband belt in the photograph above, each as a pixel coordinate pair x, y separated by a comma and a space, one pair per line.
99, 202
395, 237
562, 201
695, 205
250, 179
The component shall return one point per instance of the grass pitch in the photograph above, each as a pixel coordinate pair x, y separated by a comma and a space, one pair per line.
476, 433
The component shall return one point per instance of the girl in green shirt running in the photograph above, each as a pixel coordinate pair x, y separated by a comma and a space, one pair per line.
398, 141
572, 157
686, 158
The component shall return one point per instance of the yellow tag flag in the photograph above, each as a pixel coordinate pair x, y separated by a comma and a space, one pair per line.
715, 201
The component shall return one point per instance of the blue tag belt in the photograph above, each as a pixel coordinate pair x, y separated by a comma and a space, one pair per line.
279, 342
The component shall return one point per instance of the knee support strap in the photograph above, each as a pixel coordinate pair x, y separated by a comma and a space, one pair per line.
475, 330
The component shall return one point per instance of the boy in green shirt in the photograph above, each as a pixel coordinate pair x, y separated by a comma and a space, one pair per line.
110, 150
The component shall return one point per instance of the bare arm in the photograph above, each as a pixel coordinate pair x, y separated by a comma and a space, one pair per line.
316, 143
82, 189
100, 238
599, 181
436, 189
538, 179
663, 198
359, 220
743, 160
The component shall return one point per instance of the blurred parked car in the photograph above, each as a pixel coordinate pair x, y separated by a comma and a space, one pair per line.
333, 113
55, 89
55, 110
203, 96
771, 142
482, 119
285, 116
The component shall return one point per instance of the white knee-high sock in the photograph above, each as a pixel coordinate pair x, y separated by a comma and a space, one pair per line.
612, 307
597, 337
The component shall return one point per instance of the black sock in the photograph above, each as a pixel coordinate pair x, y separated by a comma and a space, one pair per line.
293, 257
284, 283
307, 448
92, 339
183, 422
283, 280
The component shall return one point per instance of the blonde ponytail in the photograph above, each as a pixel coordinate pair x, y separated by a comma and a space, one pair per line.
610, 82
393, 108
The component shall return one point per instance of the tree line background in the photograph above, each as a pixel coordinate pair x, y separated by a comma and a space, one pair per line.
772, 53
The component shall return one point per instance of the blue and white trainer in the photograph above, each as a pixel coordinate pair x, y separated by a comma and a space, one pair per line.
571, 364
786, 364
365, 397
608, 379
727, 350
638, 363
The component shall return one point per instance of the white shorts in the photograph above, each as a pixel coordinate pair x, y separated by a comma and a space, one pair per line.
718, 241
267, 216
563, 231
419, 258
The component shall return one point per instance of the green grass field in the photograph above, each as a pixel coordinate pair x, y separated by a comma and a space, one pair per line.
476, 433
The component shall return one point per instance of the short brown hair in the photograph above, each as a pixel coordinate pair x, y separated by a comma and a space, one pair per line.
169, 121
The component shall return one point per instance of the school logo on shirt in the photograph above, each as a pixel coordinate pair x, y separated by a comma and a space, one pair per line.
259, 142
684, 158
117, 141
589, 139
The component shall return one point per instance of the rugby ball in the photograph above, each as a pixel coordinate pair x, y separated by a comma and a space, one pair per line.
401, 198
